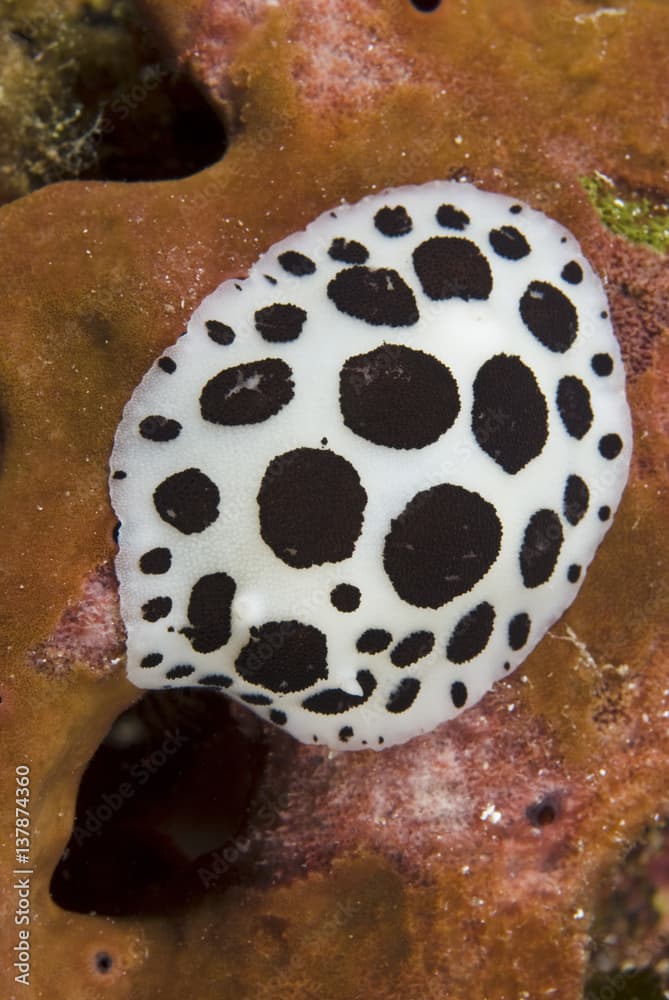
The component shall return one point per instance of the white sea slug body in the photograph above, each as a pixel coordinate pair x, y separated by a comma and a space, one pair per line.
371, 475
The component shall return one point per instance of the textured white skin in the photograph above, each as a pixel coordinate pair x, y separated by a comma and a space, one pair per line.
463, 335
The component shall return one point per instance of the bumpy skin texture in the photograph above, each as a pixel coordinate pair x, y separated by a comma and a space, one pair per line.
417, 871
370, 476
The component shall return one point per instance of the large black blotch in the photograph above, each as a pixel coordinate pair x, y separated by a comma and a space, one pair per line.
509, 242
444, 541
348, 251
541, 546
378, 296
549, 315
576, 499
398, 397
509, 414
333, 701
573, 402
403, 696
471, 634
451, 267
247, 393
284, 656
311, 506
188, 501
209, 610
280, 322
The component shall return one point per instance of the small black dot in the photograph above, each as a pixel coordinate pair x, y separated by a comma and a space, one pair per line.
216, 680
296, 263
220, 333
181, 670
345, 597
516, 209
572, 273
155, 561
119, 475
159, 428
345, 733
167, 365
381, 739
451, 217
458, 694
507, 666
115, 531
152, 660
604, 314
573, 573
393, 221
256, 699
563, 239
601, 364
277, 717
156, 608
610, 446
604, 513
103, 962
268, 277
546, 810
324, 441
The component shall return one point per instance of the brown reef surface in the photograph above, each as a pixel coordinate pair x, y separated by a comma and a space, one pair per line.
468, 863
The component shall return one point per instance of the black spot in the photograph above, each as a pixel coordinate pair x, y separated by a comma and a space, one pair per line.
378, 296
576, 499
573, 573
507, 666
157, 428
188, 501
516, 209
610, 446
103, 962
546, 810
116, 530
458, 694
256, 699
156, 561
444, 541
219, 332
271, 279
509, 413
451, 217
156, 608
451, 267
296, 263
247, 393
277, 717
181, 670
573, 402
374, 640
209, 610
381, 739
348, 251
345, 597
601, 364
541, 547
412, 648
572, 273
284, 656
393, 221
151, 660
472, 634
168, 365
311, 507
403, 695
345, 733
509, 242
120, 474
280, 322
397, 397
519, 630
550, 316
334, 701
604, 513
216, 680
426, 6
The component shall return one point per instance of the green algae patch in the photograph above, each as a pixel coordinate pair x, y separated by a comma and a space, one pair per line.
639, 217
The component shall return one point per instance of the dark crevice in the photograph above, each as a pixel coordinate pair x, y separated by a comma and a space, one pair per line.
168, 796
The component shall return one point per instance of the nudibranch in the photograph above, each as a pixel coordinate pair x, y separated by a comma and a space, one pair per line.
370, 476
